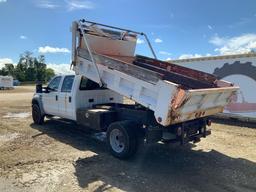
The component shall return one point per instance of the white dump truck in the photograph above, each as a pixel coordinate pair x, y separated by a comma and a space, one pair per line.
171, 102
6, 82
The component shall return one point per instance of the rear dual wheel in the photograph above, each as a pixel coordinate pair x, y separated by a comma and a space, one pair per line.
122, 139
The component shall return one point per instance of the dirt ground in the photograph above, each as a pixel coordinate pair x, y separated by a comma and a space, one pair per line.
59, 157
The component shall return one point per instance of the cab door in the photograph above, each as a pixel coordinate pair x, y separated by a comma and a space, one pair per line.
50, 97
66, 102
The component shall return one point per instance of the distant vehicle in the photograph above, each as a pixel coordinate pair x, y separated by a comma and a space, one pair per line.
172, 103
6, 82
16, 82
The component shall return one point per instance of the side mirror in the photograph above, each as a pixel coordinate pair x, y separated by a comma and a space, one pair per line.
39, 88
48, 89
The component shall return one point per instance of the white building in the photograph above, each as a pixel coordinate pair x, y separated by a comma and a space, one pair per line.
6, 82
239, 69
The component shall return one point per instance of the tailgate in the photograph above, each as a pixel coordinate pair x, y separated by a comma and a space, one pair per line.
196, 103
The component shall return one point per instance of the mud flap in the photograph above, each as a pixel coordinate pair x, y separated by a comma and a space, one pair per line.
154, 134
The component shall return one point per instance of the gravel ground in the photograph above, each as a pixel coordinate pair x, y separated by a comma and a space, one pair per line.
58, 156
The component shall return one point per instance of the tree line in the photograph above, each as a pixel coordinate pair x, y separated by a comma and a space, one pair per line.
29, 68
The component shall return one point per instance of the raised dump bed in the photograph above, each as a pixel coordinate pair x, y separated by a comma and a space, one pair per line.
175, 94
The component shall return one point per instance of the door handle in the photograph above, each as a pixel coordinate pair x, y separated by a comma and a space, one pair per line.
91, 100
56, 97
69, 99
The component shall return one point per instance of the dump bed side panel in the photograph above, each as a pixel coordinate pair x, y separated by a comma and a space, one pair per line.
153, 95
183, 71
170, 102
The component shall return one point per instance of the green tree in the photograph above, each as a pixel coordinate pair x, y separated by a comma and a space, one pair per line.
22, 66
29, 68
29, 61
10, 69
3, 71
40, 68
49, 74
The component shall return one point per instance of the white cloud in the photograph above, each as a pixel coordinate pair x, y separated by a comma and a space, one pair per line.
60, 68
164, 53
78, 4
218, 41
4, 61
46, 4
242, 22
3, 1
158, 40
209, 27
70, 5
188, 56
168, 59
140, 41
234, 45
48, 49
23, 37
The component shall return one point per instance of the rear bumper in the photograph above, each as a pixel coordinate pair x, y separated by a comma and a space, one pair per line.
194, 138
193, 131
183, 133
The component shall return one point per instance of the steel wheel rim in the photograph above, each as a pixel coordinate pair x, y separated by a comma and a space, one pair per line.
117, 140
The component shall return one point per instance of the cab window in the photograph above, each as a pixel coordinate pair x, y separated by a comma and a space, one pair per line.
67, 83
54, 84
87, 84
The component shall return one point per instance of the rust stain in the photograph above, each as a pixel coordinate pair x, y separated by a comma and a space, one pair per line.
196, 114
178, 99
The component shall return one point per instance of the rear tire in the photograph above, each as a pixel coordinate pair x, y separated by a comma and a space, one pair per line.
122, 139
37, 116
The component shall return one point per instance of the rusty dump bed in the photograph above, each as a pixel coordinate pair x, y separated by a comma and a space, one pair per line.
186, 77
175, 93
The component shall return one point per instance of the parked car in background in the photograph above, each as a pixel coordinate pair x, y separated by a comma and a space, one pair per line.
16, 82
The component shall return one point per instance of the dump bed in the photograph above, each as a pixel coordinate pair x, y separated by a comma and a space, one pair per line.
175, 94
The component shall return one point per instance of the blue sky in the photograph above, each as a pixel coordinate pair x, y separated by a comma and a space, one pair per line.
176, 28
